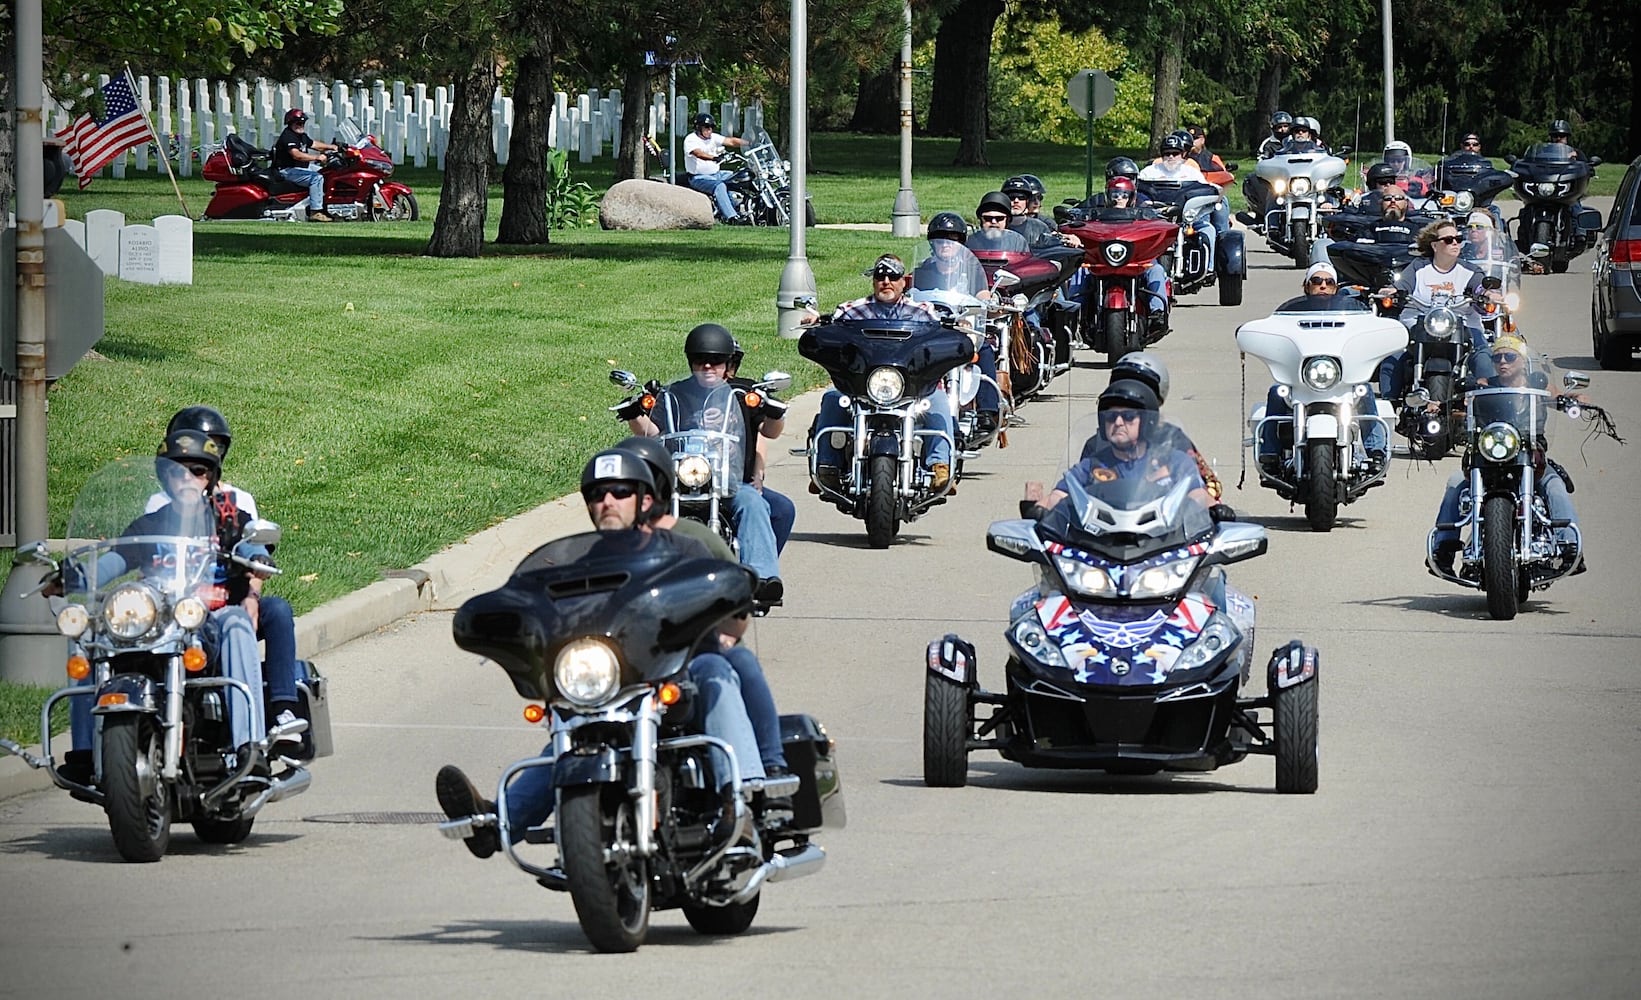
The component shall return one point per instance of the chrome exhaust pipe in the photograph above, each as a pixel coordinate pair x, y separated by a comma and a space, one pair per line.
293, 782
796, 862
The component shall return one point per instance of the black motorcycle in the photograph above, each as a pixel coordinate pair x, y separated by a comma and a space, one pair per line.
650, 814
1431, 415
1465, 182
1190, 267
883, 368
1550, 180
760, 183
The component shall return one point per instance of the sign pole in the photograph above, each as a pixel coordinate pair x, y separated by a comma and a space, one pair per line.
1089, 193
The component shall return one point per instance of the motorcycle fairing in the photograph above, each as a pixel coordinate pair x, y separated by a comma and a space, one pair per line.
850, 350
1123, 644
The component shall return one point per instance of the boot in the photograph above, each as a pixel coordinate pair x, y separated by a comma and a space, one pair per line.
459, 800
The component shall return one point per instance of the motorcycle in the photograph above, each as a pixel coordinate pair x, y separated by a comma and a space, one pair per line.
133, 609
882, 368
649, 813
1322, 363
1439, 348
1465, 182
946, 279
1550, 181
1190, 266
1303, 188
1024, 283
1490, 252
1510, 548
357, 183
1118, 246
760, 185
1130, 655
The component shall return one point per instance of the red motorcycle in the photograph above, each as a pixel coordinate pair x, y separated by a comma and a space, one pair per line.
357, 184
1117, 249
1037, 326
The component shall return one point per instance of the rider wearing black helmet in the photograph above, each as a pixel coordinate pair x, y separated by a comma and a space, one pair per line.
1281, 126
1561, 131
702, 151
1127, 446
294, 159
948, 226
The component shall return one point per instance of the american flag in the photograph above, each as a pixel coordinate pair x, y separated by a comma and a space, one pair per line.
91, 143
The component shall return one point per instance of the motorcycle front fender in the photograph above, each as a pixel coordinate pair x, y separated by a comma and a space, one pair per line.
1292, 665
884, 444
1438, 366
1116, 297
953, 658
393, 190
130, 693
1231, 253
606, 766
1321, 425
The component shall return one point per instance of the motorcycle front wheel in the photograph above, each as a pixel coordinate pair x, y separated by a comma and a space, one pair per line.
1322, 500
1296, 723
137, 802
1440, 388
1498, 557
612, 899
945, 732
403, 209
882, 508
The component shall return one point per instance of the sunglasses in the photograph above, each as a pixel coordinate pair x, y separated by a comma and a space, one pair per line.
1396, 197
884, 274
1450, 240
994, 218
1112, 416
708, 360
598, 491
1172, 152
1019, 197
195, 469
1470, 142
1506, 357
1323, 282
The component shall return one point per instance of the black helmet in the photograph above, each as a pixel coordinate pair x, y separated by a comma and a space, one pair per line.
1143, 366
189, 445
1561, 127
1380, 173
997, 201
658, 458
617, 465
1038, 190
295, 116
205, 419
712, 340
1017, 185
1121, 166
1280, 118
1176, 142
702, 119
948, 226
1132, 394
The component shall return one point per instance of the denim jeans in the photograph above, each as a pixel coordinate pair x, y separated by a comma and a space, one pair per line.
719, 711
783, 514
713, 184
276, 626
313, 179
1375, 436
755, 532
987, 399
760, 705
1396, 370
937, 418
1550, 486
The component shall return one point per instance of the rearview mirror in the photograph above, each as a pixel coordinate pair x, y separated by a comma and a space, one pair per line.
624, 379
775, 381
1345, 151
1572, 381
1492, 281
1595, 161
1016, 539
260, 532
1005, 279
1236, 541
1230, 168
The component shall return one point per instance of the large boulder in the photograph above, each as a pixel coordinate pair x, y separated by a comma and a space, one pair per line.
640, 204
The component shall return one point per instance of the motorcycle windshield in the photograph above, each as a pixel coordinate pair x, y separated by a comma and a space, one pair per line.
142, 533
1527, 410
1550, 153
949, 276
1133, 513
642, 594
348, 133
1489, 251
704, 429
852, 350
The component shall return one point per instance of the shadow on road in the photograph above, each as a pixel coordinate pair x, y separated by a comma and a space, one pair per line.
559, 936
94, 845
1295, 523
855, 540
1004, 776
1465, 605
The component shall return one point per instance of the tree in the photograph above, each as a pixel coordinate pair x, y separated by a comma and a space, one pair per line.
524, 181
960, 102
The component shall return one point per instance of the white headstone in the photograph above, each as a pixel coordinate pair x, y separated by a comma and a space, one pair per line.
102, 238
139, 255
75, 230
175, 252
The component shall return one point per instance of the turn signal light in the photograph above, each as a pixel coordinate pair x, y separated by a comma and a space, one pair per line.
648, 402
670, 693
79, 668
534, 714
193, 659
753, 400
112, 698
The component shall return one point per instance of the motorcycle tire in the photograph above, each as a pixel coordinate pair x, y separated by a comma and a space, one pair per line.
722, 920
612, 901
138, 817
223, 831
945, 732
1322, 494
1559, 266
1440, 388
1230, 289
1296, 727
1300, 245
403, 209
1498, 557
1116, 333
882, 507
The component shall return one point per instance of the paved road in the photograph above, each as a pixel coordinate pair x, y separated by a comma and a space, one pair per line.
1474, 835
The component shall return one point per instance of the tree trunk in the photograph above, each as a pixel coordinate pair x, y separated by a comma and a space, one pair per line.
8, 161
524, 182
1265, 105
877, 101
1165, 106
458, 231
630, 160
962, 78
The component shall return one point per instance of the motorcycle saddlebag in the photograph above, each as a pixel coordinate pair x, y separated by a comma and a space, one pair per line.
314, 690
810, 754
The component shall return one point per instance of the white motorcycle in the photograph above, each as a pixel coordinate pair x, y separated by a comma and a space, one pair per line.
1323, 363
1299, 193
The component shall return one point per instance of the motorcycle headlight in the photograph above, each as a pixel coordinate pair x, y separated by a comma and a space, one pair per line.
1089, 581
1029, 633
1321, 373
1216, 637
1192, 215
1464, 201
586, 672
1300, 186
130, 611
694, 472
1499, 442
1512, 301
1164, 579
189, 613
1279, 185
1441, 324
72, 621
885, 385
1547, 188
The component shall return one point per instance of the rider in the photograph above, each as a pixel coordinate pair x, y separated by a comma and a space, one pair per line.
1120, 198
764, 423
294, 159
888, 301
1381, 179
1146, 367
702, 152
1281, 127
1176, 165
620, 493
987, 401
711, 351
1562, 133
1256, 191
1023, 201
1514, 370
1399, 155
1117, 166
1301, 139
1441, 280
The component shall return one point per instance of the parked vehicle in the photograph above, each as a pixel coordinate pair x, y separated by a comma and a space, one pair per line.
1323, 363
1118, 247
133, 609
1304, 187
1615, 293
1190, 266
600, 626
761, 184
358, 184
1131, 655
1550, 180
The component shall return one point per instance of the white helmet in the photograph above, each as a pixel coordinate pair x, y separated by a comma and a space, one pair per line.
1315, 126
1145, 366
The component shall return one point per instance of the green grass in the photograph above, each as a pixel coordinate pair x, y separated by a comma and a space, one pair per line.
20, 712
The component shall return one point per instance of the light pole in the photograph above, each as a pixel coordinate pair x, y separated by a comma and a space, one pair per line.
1390, 73
905, 217
797, 280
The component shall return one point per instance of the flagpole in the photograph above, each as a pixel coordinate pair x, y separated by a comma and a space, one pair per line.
163, 146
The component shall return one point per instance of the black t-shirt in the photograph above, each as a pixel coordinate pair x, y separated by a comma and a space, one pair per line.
1393, 231
229, 522
692, 395
288, 140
